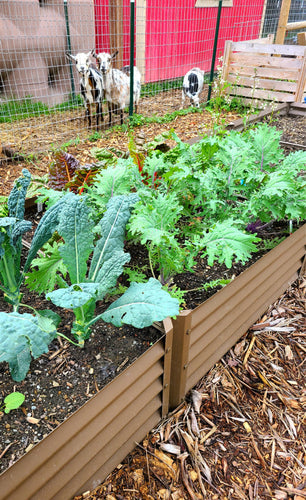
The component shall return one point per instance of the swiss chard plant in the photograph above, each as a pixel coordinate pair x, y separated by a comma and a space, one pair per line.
91, 280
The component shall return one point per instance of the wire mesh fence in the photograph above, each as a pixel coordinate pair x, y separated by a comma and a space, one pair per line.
40, 86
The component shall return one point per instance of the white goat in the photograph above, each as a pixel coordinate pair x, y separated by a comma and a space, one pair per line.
117, 84
91, 84
193, 86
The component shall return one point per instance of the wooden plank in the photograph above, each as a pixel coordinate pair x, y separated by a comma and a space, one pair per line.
226, 59
264, 73
268, 39
297, 109
242, 123
116, 31
180, 351
141, 16
299, 25
250, 59
265, 84
268, 95
301, 82
289, 50
282, 22
301, 38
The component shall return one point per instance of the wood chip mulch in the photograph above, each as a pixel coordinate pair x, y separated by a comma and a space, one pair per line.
240, 433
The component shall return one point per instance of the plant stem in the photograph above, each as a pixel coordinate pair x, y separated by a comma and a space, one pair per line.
66, 338
150, 262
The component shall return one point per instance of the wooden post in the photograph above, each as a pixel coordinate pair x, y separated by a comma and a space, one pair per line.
116, 30
301, 38
282, 22
141, 17
301, 83
226, 60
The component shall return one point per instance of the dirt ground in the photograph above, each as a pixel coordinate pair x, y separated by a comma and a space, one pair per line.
36, 139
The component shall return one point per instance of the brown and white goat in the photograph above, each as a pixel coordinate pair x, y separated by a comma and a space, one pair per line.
117, 84
91, 84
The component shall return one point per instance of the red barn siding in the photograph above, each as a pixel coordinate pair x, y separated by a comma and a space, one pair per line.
181, 36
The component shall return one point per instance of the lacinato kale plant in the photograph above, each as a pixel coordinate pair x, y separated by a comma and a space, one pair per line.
23, 335
91, 280
12, 228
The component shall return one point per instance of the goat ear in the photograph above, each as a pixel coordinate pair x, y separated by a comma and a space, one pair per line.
93, 53
70, 56
114, 54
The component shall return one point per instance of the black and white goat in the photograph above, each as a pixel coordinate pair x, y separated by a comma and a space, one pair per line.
117, 84
193, 86
91, 84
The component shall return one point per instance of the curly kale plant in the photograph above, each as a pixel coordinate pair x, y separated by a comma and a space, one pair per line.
140, 305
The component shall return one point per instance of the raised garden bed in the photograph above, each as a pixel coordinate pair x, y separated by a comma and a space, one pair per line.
58, 474
81, 452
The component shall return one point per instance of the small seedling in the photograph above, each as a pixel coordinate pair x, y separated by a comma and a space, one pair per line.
12, 401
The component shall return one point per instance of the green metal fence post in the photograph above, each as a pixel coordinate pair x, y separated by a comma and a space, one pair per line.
212, 68
132, 41
69, 49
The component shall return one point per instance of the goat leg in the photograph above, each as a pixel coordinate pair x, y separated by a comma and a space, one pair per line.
109, 114
99, 115
88, 114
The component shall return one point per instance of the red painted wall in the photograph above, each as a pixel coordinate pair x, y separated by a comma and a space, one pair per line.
180, 36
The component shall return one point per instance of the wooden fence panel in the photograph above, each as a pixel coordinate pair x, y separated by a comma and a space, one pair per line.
265, 72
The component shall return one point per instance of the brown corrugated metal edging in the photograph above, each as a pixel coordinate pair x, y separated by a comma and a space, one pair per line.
84, 449
204, 335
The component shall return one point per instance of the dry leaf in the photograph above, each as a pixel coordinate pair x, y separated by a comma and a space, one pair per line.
33, 420
280, 495
164, 458
164, 494
247, 427
194, 424
196, 400
193, 475
137, 477
288, 352
239, 348
171, 448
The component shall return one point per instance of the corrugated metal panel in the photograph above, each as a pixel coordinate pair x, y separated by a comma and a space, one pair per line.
102, 432
219, 322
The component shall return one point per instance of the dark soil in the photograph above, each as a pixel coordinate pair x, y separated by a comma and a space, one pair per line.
65, 378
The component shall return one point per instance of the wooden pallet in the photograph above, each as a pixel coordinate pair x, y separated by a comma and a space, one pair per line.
265, 72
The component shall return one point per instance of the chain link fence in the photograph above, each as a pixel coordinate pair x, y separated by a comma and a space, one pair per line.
39, 86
